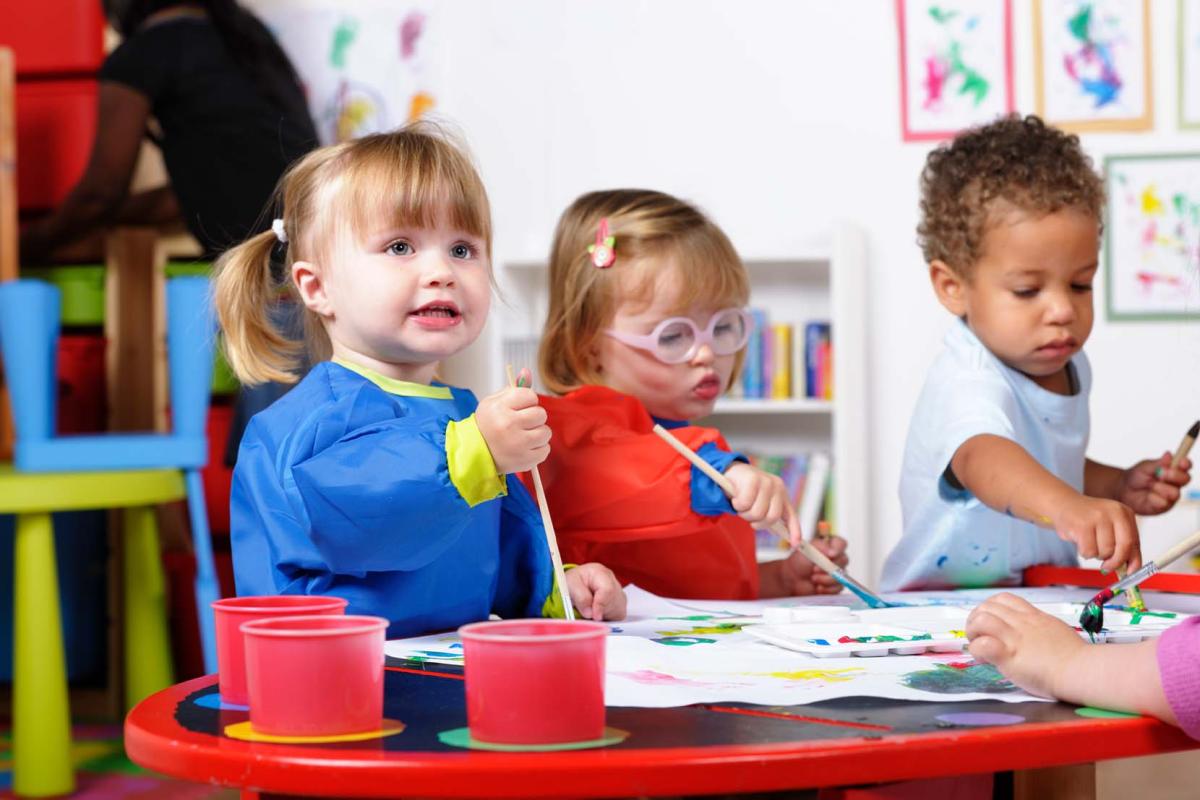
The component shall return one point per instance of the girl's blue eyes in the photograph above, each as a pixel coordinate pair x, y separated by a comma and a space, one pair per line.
403, 248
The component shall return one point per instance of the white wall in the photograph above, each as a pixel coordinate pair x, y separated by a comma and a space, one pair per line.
778, 118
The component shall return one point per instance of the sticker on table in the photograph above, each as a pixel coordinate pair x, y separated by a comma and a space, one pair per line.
461, 737
246, 733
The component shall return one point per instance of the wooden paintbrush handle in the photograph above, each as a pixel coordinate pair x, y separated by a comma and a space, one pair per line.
1178, 549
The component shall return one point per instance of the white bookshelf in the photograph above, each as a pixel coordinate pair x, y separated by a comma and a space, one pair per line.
821, 282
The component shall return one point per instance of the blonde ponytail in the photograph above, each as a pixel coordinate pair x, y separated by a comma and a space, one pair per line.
245, 294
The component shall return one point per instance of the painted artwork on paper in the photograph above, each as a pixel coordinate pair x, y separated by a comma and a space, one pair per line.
955, 65
678, 652
1092, 64
1152, 237
1187, 28
366, 67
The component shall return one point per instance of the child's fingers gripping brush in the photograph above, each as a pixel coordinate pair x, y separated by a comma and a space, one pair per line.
1092, 618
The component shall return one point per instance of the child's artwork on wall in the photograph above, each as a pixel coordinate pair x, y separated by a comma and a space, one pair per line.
1152, 237
1188, 29
674, 653
366, 67
955, 65
1092, 64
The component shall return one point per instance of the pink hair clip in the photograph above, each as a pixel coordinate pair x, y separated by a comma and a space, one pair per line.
603, 254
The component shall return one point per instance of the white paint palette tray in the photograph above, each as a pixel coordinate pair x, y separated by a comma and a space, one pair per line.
838, 631
864, 639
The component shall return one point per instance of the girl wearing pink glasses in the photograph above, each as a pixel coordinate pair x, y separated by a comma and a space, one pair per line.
647, 324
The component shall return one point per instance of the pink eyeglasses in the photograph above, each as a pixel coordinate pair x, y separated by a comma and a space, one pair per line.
676, 340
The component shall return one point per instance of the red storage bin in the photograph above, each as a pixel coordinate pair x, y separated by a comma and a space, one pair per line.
217, 477
53, 36
56, 122
82, 398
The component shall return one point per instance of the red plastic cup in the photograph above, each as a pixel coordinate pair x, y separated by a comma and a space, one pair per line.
231, 612
315, 676
534, 681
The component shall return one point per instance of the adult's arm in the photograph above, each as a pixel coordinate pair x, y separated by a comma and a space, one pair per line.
97, 197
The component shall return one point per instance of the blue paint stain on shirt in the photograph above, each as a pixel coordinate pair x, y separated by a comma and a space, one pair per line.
942, 560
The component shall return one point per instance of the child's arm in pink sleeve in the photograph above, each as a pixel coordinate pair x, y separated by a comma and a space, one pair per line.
1179, 669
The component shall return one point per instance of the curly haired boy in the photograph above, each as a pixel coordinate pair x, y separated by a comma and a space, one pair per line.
995, 475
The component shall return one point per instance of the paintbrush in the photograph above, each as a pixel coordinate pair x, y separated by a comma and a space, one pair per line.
1185, 446
779, 529
560, 575
1092, 618
1181, 452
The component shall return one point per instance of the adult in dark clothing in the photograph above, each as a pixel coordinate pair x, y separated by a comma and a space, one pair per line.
230, 116
230, 113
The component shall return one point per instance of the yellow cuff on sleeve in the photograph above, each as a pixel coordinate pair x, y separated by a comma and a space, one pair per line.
553, 607
472, 469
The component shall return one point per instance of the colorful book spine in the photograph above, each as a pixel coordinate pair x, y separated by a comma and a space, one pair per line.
752, 369
781, 361
816, 356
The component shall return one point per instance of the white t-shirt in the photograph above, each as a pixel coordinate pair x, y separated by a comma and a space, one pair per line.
952, 539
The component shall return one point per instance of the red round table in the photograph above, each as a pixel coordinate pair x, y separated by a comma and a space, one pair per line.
671, 751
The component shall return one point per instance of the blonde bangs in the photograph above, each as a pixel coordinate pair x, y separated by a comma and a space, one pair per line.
709, 271
439, 185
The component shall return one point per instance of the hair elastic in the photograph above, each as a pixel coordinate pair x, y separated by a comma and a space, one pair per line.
277, 227
604, 250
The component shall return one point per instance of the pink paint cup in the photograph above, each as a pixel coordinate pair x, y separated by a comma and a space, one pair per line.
231, 612
534, 681
315, 676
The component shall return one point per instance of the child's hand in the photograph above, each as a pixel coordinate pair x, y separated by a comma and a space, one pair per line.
1151, 486
1100, 528
514, 427
762, 499
1029, 647
800, 576
596, 592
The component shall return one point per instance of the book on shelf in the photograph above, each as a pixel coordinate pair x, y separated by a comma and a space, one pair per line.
779, 365
807, 478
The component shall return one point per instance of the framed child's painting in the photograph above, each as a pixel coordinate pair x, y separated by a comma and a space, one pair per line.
1092, 64
1187, 26
1152, 237
956, 66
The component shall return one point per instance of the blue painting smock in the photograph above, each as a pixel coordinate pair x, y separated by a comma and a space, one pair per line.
385, 493
951, 538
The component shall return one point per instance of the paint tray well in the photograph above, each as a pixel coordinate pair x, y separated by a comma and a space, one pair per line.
856, 639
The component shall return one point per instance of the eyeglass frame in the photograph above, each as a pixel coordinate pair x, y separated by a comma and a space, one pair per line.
649, 341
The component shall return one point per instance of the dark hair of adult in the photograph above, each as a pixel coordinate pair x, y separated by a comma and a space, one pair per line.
250, 44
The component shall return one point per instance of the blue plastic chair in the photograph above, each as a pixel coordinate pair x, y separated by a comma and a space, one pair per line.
29, 326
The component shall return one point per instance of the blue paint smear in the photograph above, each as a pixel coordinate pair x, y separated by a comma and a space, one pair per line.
942, 560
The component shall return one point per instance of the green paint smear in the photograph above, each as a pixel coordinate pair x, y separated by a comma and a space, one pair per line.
684, 641
944, 679
1102, 713
718, 629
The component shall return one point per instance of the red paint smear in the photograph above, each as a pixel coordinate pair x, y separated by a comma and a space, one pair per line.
449, 675
837, 723
1148, 279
